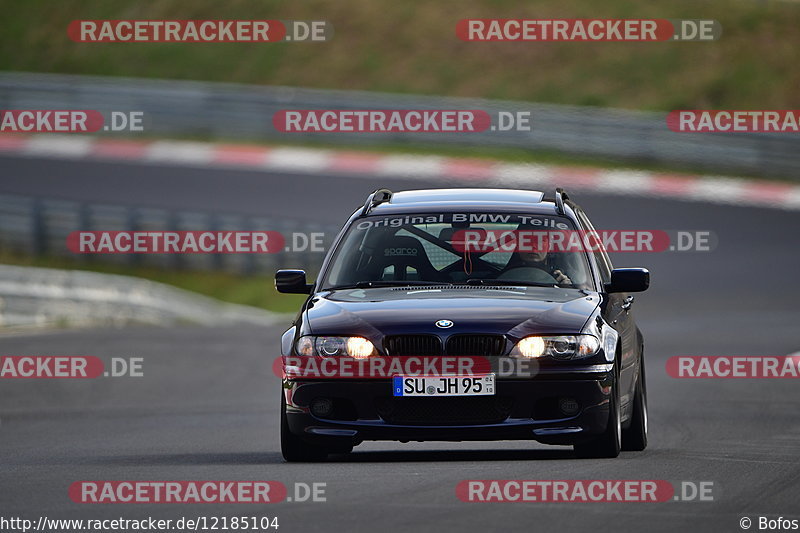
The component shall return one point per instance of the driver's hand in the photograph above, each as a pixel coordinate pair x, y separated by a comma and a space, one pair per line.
561, 278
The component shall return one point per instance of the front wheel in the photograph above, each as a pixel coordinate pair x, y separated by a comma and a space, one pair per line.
634, 439
608, 444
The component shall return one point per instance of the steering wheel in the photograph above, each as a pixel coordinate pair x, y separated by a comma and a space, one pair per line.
530, 273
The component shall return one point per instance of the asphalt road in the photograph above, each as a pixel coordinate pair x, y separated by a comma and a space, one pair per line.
207, 406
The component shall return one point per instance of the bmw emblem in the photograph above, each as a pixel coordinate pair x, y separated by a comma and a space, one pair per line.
444, 323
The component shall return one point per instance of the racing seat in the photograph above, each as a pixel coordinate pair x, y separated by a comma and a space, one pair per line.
402, 259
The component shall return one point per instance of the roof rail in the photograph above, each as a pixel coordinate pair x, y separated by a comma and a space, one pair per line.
561, 195
376, 198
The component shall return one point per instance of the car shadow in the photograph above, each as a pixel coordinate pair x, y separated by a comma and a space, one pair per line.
376, 456
175, 459
439, 456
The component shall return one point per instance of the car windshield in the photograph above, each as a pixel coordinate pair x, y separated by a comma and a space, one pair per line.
457, 248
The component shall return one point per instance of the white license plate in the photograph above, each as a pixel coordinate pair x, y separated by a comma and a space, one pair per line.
443, 385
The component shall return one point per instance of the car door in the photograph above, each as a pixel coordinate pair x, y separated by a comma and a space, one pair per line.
617, 313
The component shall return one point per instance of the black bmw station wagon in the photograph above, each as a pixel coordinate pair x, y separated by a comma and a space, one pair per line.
550, 348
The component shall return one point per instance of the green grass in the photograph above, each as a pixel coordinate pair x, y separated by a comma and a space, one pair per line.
258, 290
411, 47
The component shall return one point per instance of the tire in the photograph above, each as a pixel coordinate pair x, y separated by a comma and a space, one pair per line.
609, 443
634, 438
293, 448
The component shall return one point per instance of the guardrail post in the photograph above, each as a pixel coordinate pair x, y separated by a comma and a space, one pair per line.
39, 230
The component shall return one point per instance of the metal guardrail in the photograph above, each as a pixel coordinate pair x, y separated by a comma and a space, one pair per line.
186, 108
37, 297
40, 227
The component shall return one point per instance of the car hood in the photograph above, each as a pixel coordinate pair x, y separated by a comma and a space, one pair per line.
515, 312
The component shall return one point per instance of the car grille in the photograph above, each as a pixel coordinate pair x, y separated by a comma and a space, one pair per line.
476, 345
413, 345
457, 345
447, 411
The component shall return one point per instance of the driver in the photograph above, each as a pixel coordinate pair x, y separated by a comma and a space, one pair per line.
535, 258
542, 261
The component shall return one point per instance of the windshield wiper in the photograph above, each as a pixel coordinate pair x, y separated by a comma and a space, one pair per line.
376, 284
470, 282
507, 282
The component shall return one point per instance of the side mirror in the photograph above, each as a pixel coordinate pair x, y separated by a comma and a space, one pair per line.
629, 280
292, 282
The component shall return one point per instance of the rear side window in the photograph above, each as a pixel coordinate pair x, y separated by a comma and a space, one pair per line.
600, 256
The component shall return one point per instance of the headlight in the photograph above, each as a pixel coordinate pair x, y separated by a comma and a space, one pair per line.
305, 346
356, 347
530, 347
359, 347
558, 347
331, 346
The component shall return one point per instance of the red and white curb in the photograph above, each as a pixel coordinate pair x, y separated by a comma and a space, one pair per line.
370, 165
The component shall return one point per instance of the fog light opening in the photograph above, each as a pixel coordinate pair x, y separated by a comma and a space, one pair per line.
569, 406
321, 407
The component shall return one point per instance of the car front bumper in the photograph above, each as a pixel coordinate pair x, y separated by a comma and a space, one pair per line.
527, 409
